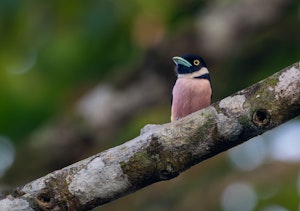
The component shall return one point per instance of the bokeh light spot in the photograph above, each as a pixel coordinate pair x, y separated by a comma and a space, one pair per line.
7, 154
239, 196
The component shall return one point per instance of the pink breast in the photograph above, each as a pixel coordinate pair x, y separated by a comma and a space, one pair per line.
190, 95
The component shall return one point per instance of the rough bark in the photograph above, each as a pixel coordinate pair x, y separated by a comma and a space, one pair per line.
84, 129
162, 152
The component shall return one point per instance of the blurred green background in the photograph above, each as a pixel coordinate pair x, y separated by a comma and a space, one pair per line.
77, 78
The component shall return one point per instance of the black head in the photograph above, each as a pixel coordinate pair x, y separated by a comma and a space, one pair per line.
188, 63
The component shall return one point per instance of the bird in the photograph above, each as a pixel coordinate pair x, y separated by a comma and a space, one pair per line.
192, 90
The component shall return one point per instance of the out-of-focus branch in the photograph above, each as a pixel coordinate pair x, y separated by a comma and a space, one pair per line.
222, 27
162, 152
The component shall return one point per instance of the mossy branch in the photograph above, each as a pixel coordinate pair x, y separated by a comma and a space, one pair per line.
162, 152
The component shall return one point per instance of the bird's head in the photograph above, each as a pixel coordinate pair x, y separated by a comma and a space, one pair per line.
190, 66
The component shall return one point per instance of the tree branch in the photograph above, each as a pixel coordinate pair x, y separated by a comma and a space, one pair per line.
163, 152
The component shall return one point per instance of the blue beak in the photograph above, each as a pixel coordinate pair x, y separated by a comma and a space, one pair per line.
179, 60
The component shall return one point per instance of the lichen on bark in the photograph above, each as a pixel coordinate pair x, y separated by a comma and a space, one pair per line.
164, 151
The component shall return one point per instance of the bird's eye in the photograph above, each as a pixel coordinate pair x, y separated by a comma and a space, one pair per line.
196, 62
